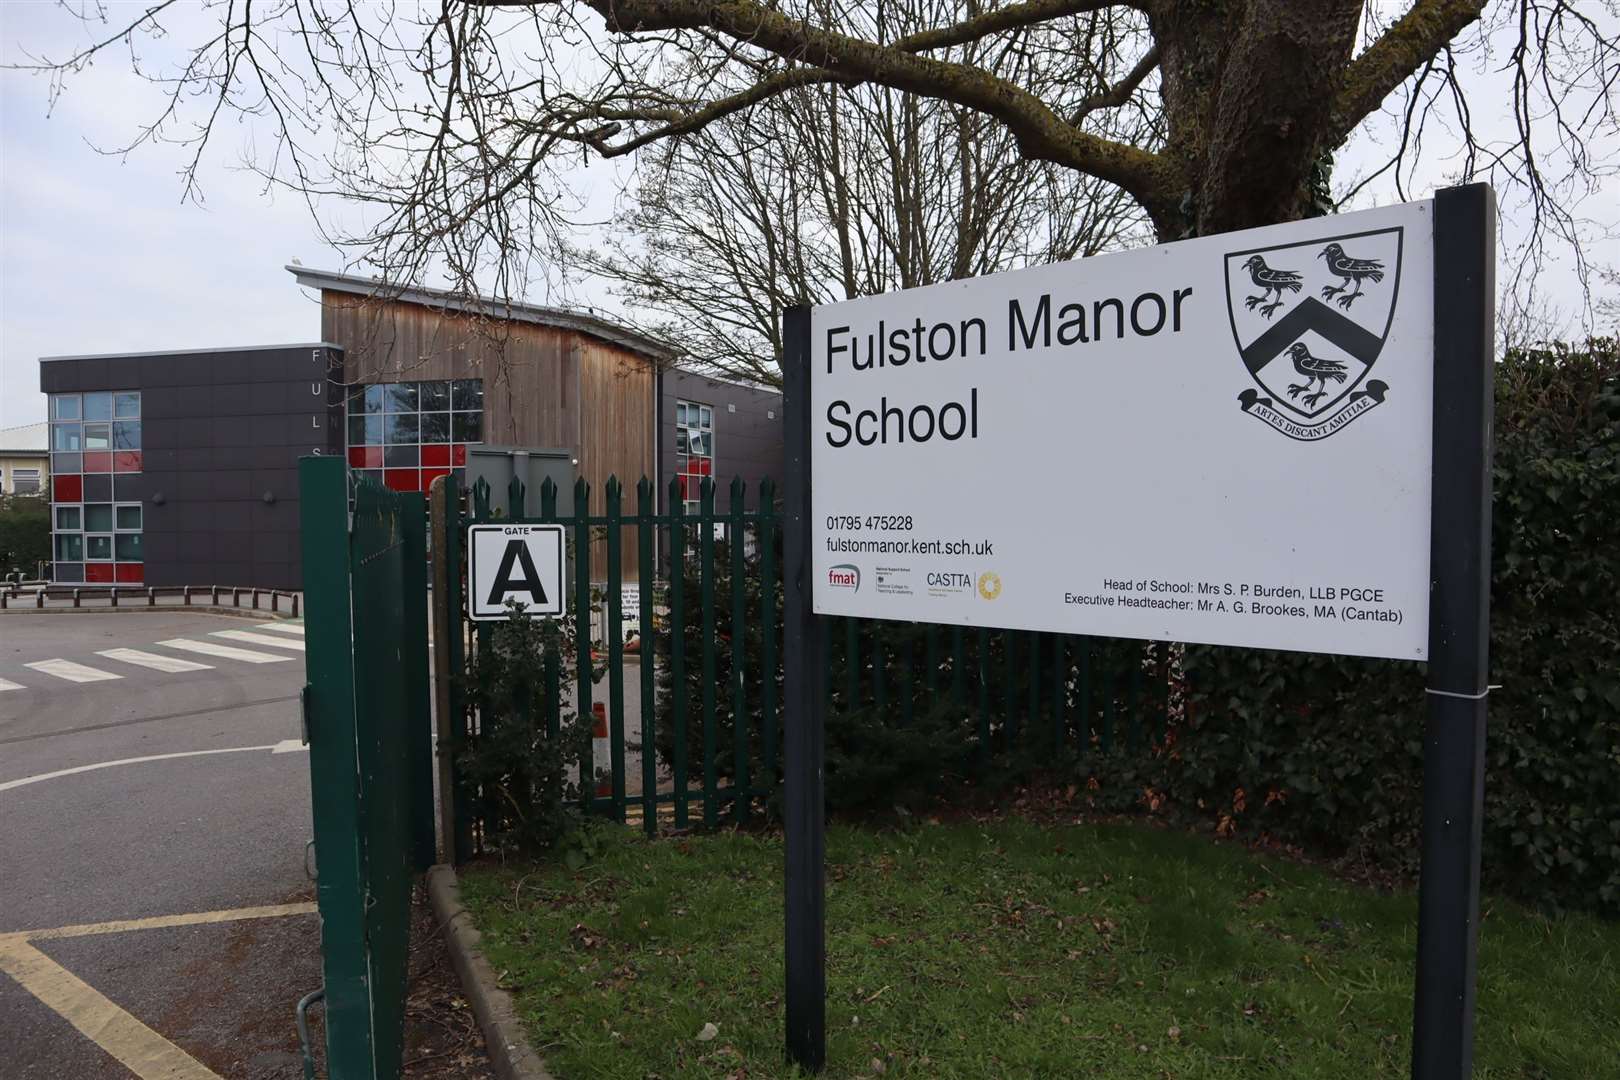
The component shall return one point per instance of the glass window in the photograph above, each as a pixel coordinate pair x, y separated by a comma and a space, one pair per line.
67, 437
435, 427
64, 406
403, 428
98, 517
127, 547
98, 406
434, 396
67, 463
365, 431
397, 430
680, 412
97, 436
69, 547
127, 405
681, 441
99, 548
126, 435
129, 517
24, 481
68, 519
708, 417
400, 397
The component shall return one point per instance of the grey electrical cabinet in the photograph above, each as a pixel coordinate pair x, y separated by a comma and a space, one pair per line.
498, 464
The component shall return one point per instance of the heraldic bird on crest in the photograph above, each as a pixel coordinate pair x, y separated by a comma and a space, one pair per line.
1349, 270
1316, 370
1270, 282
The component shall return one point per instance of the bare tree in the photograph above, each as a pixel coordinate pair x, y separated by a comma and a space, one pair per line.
454, 121
830, 192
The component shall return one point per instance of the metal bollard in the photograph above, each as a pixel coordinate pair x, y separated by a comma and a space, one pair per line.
255, 599
185, 595
295, 605
213, 595
113, 595
236, 597
75, 597
151, 596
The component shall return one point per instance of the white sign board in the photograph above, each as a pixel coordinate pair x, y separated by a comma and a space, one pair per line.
1225, 440
515, 562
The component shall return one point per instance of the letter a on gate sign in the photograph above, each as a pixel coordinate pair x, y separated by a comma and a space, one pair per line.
524, 562
517, 554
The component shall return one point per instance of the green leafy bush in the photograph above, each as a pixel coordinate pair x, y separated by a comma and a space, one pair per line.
25, 533
1325, 751
524, 770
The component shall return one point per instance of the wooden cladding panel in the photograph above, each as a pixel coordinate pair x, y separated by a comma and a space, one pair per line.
529, 372
543, 386
617, 432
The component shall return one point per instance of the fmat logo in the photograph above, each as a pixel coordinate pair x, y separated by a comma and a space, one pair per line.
844, 576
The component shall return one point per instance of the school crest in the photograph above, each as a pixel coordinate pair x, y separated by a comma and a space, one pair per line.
1309, 320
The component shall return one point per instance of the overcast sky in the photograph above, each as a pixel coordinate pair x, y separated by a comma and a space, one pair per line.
100, 254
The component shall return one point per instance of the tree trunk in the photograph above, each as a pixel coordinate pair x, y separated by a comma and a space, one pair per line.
1248, 91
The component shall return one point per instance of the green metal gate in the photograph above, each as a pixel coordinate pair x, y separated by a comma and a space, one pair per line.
368, 724
708, 664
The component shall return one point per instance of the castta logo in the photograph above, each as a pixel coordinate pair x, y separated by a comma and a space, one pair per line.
844, 576
989, 584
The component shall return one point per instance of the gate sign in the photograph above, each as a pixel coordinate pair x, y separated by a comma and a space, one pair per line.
1226, 440
515, 562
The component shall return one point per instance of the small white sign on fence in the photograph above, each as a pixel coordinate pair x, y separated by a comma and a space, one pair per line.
515, 562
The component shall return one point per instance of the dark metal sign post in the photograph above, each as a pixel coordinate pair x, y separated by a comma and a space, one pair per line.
804, 752
1459, 622
1459, 633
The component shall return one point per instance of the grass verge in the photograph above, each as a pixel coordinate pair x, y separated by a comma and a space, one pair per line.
1012, 949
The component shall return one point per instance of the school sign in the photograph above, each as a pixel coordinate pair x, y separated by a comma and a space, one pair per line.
1277, 438
1225, 440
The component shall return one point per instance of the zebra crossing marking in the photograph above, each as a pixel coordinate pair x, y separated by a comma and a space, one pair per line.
251, 638
284, 627
72, 672
214, 648
7, 684
153, 660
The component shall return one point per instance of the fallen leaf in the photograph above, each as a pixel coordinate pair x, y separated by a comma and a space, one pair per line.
709, 1032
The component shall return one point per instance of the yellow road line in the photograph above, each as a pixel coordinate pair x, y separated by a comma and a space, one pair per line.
146, 1053
160, 922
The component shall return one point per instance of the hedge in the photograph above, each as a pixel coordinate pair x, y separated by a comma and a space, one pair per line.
1325, 751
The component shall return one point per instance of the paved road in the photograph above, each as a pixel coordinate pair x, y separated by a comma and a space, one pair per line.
178, 836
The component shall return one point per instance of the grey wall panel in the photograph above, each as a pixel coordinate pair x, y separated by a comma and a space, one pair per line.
747, 442
219, 429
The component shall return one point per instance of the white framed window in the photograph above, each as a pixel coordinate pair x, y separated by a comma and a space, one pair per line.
694, 450
25, 481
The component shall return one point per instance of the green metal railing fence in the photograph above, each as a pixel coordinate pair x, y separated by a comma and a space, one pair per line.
705, 649
366, 708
